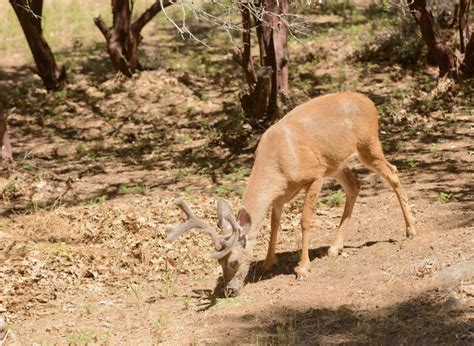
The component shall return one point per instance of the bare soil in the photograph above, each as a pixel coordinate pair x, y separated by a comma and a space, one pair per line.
83, 256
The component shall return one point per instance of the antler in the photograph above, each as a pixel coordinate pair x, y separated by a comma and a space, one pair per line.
221, 244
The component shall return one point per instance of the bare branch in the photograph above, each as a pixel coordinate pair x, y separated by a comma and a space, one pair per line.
148, 15
99, 22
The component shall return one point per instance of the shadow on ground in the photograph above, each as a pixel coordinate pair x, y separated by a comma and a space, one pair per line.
427, 319
133, 137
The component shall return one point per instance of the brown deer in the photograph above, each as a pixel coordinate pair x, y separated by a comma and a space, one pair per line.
313, 141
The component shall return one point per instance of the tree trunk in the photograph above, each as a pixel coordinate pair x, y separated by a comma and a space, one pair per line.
123, 37
424, 18
463, 23
254, 103
273, 41
468, 62
5, 140
29, 14
268, 88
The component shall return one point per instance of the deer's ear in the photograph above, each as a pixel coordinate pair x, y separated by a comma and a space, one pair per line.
224, 211
243, 220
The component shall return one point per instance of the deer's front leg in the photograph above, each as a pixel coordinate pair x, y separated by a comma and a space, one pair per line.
270, 260
308, 210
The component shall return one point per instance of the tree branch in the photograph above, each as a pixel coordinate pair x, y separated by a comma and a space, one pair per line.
246, 59
104, 29
424, 18
148, 15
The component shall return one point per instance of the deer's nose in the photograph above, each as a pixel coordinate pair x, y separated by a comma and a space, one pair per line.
231, 292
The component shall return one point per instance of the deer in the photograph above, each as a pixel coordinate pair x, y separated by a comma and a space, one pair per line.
312, 142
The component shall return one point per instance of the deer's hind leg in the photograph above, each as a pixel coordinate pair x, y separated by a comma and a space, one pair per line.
376, 161
312, 195
351, 186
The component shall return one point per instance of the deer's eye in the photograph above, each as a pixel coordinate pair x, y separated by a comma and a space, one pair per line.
234, 264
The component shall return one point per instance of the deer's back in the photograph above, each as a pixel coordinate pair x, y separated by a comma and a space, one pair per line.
318, 136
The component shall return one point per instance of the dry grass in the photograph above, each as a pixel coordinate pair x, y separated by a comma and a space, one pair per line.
82, 234
66, 23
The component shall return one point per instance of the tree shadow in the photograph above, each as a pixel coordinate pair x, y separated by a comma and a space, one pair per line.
43, 120
288, 261
426, 319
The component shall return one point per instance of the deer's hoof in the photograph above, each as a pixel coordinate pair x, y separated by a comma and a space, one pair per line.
410, 232
302, 272
268, 264
333, 251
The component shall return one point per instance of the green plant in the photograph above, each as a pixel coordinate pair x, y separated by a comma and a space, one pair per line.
233, 182
185, 138
412, 163
58, 249
135, 289
186, 300
80, 337
98, 200
434, 150
162, 320
11, 185
286, 334
180, 175
223, 190
191, 110
81, 150
223, 303
160, 323
445, 197
55, 204
335, 199
88, 307
169, 280
4, 223
62, 94
123, 189
140, 189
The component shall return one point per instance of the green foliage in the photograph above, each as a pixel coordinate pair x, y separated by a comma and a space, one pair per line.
191, 110
286, 334
139, 189
335, 199
82, 337
412, 162
170, 278
434, 150
88, 307
233, 182
4, 223
98, 200
339, 8
135, 288
186, 300
162, 320
11, 185
445, 196
397, 46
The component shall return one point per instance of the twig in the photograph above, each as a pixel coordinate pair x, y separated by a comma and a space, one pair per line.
5, 338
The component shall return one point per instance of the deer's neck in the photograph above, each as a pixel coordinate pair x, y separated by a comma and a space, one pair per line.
258, 198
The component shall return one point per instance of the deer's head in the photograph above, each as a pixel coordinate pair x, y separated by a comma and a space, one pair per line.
231, 246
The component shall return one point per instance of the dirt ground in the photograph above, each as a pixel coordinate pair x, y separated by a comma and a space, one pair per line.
83, 255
